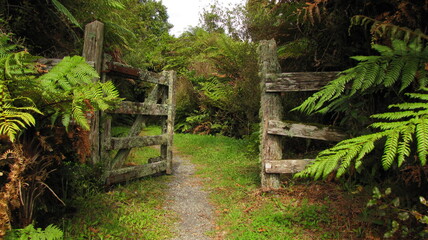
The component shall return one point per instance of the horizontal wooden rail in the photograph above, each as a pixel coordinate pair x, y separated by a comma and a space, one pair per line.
134, 172
140, 141
286, 165
308, 131
135, 73
127, 107
298, 81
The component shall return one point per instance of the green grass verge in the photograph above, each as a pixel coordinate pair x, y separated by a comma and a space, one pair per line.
243, 211
131, 211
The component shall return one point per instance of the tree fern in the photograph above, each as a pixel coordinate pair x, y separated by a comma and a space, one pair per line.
403, 127
401, 62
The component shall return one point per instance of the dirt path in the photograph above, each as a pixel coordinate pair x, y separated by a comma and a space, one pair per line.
187, 198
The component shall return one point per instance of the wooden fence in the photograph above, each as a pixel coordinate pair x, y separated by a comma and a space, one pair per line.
110, 151
273, 128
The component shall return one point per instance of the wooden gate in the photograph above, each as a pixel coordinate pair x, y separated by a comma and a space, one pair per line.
273, 128
113, 151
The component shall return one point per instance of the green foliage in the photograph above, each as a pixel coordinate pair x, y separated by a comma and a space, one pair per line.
390, 211
219, 88
65, 11
131, 211
402, 64
72, 81
66, 91
51, 232
15, 111
401, 128
380, 29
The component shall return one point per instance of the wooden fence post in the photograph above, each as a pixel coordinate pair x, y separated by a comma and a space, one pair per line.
93, 51
168, 125
270, 109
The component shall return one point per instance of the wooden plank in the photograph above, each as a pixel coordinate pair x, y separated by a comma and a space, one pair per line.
122, 154
136, 128
92, 51
127, 107
286, 165
168, 129
127, 71
135, 172
299, 81
139, 141
270, 109
308, 131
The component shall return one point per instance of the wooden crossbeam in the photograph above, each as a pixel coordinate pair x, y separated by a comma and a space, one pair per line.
308, 131
127, 107
127, 71
134, 172
139, 141
299, 81
286, 165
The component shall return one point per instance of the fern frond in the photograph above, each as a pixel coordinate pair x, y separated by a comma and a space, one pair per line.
63, 10
347, 160
394, 71
409, 73
388, 125
399, 137
402, 63
390, 151
381, 29
422, 137
409, 106
403, 150
393, 115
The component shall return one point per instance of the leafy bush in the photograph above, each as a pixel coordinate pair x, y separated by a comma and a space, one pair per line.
219, 83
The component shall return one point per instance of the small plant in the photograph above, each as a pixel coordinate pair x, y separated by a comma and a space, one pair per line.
391, 213
51, 232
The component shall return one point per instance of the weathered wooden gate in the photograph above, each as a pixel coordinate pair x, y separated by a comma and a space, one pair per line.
113, 151
273, 83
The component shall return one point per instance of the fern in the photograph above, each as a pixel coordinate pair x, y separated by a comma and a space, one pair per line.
217, 92
51, 232
380, 29
15, 112
401, 62
70, 88
405, 127
66, 91
63, 10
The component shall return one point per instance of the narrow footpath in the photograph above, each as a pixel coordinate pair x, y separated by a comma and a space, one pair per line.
187, 198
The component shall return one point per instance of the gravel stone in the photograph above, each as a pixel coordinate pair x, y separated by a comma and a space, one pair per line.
187, 198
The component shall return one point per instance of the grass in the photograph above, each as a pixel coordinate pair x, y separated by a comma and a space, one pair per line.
300, 211
135, 210
131, 211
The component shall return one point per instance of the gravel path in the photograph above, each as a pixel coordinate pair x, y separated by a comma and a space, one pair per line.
187, 198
